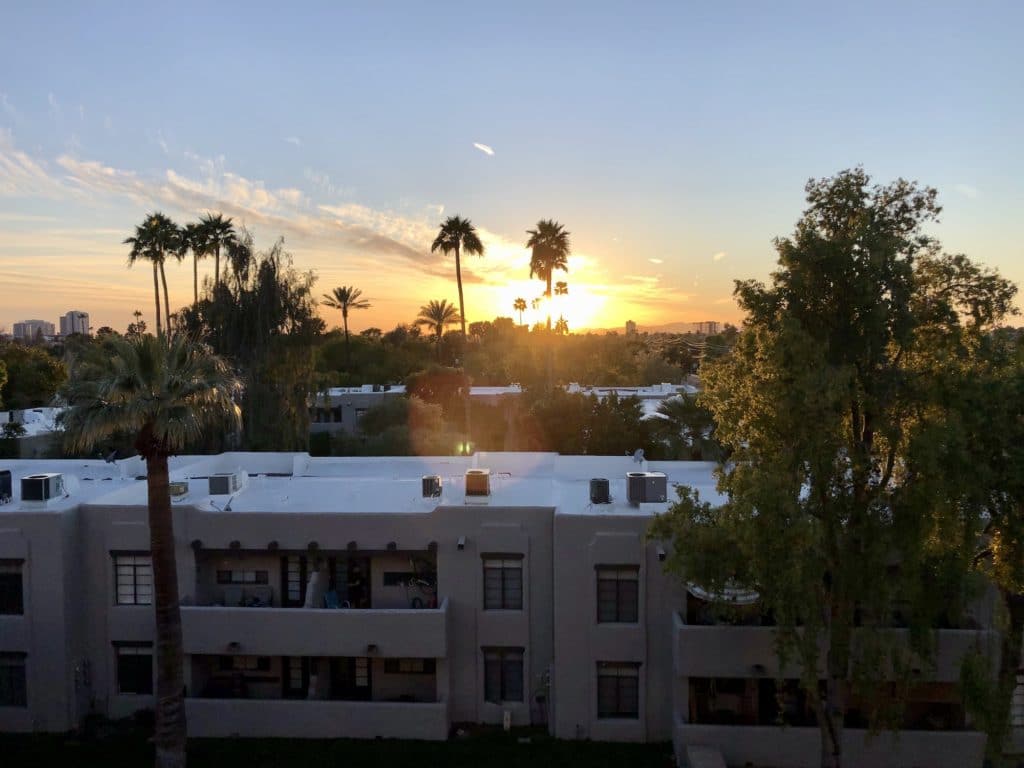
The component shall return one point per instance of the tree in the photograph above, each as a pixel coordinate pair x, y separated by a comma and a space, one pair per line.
33, 376
455, 236
192, 240
346, 297
688, 428
166, 391
155, 239
549, 250
519, 305
835, 405
562, 326
436, 315
214, 233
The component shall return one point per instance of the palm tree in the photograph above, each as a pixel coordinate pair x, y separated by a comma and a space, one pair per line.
457, 234
549, 246
166, 391
192, 240
561, 288
154, 239
520, 306
346, 297
216, 233
562, 326
437, 315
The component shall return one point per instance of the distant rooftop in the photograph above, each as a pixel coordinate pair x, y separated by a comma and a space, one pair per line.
297, 482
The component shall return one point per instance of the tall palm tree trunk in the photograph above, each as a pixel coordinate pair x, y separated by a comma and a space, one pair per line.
547, 295
167, 301
348, 353
170, 658
195, 279
156, 293
458, 279
216, 266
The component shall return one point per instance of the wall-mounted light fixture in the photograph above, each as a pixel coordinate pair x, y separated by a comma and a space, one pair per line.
461, 543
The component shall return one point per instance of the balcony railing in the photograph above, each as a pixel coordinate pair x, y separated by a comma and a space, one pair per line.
801, 747
285, 718
386, 632
739, 651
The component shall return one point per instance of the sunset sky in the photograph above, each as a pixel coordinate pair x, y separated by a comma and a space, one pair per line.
672, 140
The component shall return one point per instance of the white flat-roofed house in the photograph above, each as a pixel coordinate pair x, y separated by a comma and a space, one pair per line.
392, 597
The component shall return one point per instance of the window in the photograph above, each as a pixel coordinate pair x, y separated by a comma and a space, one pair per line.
133, 574
503, 583
410, 666
503, 674
294, 569
618, 690
362, 672
617, 594
13, 692
296, 677
244, 663
243, 577
135, 668
397, 578
11, 599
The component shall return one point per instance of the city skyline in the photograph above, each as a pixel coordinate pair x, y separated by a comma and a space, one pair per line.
673, 144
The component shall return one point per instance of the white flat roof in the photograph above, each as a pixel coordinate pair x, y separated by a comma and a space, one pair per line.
299, 483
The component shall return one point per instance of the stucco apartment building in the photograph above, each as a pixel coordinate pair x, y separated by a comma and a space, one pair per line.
396, 597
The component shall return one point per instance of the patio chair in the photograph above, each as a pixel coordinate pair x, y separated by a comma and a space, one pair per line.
331, 599
261, 596
232, 596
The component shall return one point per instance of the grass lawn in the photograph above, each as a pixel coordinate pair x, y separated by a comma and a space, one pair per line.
490, 750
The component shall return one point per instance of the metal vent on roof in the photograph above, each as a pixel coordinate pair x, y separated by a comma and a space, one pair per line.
600, 491
478, 482
431, 486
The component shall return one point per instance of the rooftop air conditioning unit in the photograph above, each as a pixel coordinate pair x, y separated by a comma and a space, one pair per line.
224, 484
431, 486
646, 487
42, 487
177, 488
478, 482
600, 492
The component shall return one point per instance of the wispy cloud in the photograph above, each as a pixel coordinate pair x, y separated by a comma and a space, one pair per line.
21, 175
7, 107
483, 148
967, 191
719, 256
656, 261
293, 140
55, 110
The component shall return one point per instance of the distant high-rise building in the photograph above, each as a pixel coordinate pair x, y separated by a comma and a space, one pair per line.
27, 330
630, 328
74, 322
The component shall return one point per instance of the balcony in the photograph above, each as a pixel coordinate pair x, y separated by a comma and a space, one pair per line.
741, 651
801, 747
283, 718
387, 632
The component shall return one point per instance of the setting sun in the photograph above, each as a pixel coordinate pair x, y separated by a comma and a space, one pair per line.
581, 306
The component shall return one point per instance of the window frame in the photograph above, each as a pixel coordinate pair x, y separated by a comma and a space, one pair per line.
13, 687
618, 671
617, 576
135, 584
132, 651
409, 666
239, 576
502, 564
12, 587
507, 658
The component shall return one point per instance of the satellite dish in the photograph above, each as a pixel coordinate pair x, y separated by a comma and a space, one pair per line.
638, 455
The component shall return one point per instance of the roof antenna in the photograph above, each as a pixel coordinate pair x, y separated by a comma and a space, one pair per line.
111, 457
227, 507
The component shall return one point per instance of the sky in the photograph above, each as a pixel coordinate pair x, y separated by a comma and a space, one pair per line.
672, 140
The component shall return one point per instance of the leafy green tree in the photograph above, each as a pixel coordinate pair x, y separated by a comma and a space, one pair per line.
437, 315
458, 235
833, 404
346, 298
166, 390
688, 428
549, 250
155, 239
33, 376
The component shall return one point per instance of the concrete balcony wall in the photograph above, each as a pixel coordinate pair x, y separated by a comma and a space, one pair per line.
800, 747
735, 651
408, 633
284, 718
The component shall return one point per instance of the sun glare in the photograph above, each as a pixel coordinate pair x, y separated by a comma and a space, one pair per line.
581, 306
